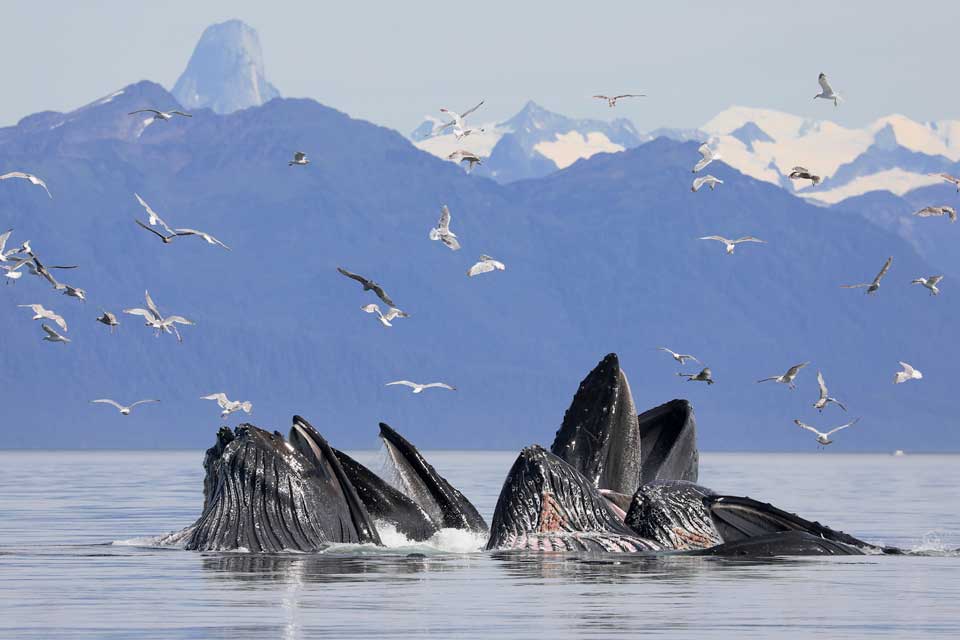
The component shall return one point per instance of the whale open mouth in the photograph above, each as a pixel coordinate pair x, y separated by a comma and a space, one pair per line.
419, 481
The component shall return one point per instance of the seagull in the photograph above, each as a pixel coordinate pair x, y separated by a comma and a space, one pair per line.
485, 265
705, 375
161, 115
460, 129
206, 236
153, 318
39, 269
53, 336
908, 373
930, 282
612, 100
385, 319
826, 91
800, 173
299, 157
73, 292
825, 398
824, 438
109, 319
732, 244
5, 255
153, 218
124, 410
949, 178
229, 406
710, 181
27, 176
463, 155
368, 285
788, 377
167, 239
872, 286
679, 357
929, 212
707, 154
41, 313
418, 388
442, 231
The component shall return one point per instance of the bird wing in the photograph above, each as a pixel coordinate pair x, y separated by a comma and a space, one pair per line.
393, 312
354, 276
907, 369
629, 95
110, 402
221, 399
151, 230
149, 315
749, 239
451, 241
698, 182
481, 267
371, 308
206, 236
822, 385
602, 97
883, 272
440, 385
50, 332
181, 113
822, 79
56, 317
139, 402
406, 383
36, 308
154, 218
144, 111
377, 289
803, 425
673, 353
934, 280
152, 306
444, 223
717, 238
949, 178
843, 426
853, 286
792, 371
469, 111
768, 379
3, 240
178, 320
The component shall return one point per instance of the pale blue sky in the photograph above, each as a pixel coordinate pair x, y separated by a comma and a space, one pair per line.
394, 62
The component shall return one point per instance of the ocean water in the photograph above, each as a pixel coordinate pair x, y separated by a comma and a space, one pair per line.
77, 561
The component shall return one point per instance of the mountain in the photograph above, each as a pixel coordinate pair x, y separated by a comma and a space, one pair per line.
893, 154
601, 256
531, 144
225, 72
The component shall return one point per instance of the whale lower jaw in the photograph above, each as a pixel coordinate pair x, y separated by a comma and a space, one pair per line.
578, 541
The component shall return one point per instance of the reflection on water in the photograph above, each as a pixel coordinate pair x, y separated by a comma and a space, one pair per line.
62, 578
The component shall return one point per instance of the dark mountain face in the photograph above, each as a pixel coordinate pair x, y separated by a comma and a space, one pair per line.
602, 256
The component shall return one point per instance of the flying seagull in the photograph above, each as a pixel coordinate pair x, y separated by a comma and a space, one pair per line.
484, 265
124, 410
800, 173
709, 180
161, 115
109, 319
299, 157
73, 292
418, 388
166, 238
612, 100
27, 176
153, 318
41, 313
908, 373
825, 398
707, 155
824, 438
462, 155
206, 236
229, 406
679, 357
872, 286
826, 91
930, 282
368, 285
53, 336
152, 216
385, 318
705, 375
732, 244
460, 129
442, 231
4, 254
949, 178
931, 212
788, 377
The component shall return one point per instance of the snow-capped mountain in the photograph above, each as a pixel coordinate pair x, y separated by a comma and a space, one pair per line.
892, 154
531, 144
225, 72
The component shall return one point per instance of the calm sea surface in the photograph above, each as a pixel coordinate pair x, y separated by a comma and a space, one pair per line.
77, 561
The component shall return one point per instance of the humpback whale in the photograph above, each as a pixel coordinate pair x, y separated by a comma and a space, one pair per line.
613, 481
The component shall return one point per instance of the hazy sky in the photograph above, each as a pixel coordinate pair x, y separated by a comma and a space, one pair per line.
391, 63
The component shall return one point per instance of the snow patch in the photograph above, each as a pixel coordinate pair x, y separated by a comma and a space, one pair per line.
896, 181
569, 147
